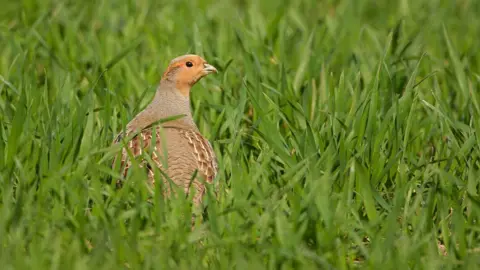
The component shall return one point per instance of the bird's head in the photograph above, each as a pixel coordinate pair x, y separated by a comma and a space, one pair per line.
184, 71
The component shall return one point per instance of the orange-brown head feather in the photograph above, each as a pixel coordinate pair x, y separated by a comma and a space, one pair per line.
186, 70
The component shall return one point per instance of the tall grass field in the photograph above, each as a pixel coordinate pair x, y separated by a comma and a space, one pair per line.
347, 134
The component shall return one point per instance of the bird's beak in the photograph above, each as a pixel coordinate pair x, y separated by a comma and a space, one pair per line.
207, 69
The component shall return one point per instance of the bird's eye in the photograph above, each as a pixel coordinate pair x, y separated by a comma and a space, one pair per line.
189, 64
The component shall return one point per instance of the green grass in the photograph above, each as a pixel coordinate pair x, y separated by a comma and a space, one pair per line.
347, 134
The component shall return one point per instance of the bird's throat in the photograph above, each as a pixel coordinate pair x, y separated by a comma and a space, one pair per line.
169, 101
183, 88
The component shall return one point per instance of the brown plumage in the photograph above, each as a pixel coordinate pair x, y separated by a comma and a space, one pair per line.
180, 151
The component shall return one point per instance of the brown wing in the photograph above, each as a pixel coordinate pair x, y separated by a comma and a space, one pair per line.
206, 161
187, 151
137, 145
204, 155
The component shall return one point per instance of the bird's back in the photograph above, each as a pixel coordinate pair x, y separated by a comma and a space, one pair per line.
179, 153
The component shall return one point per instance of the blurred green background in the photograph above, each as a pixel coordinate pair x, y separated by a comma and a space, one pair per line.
347, 134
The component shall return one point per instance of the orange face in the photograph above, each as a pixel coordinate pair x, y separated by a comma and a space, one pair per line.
186, 70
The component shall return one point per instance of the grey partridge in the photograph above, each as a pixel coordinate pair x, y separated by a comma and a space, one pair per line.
180, 151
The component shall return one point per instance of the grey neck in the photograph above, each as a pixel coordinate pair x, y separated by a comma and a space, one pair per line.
168, 102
